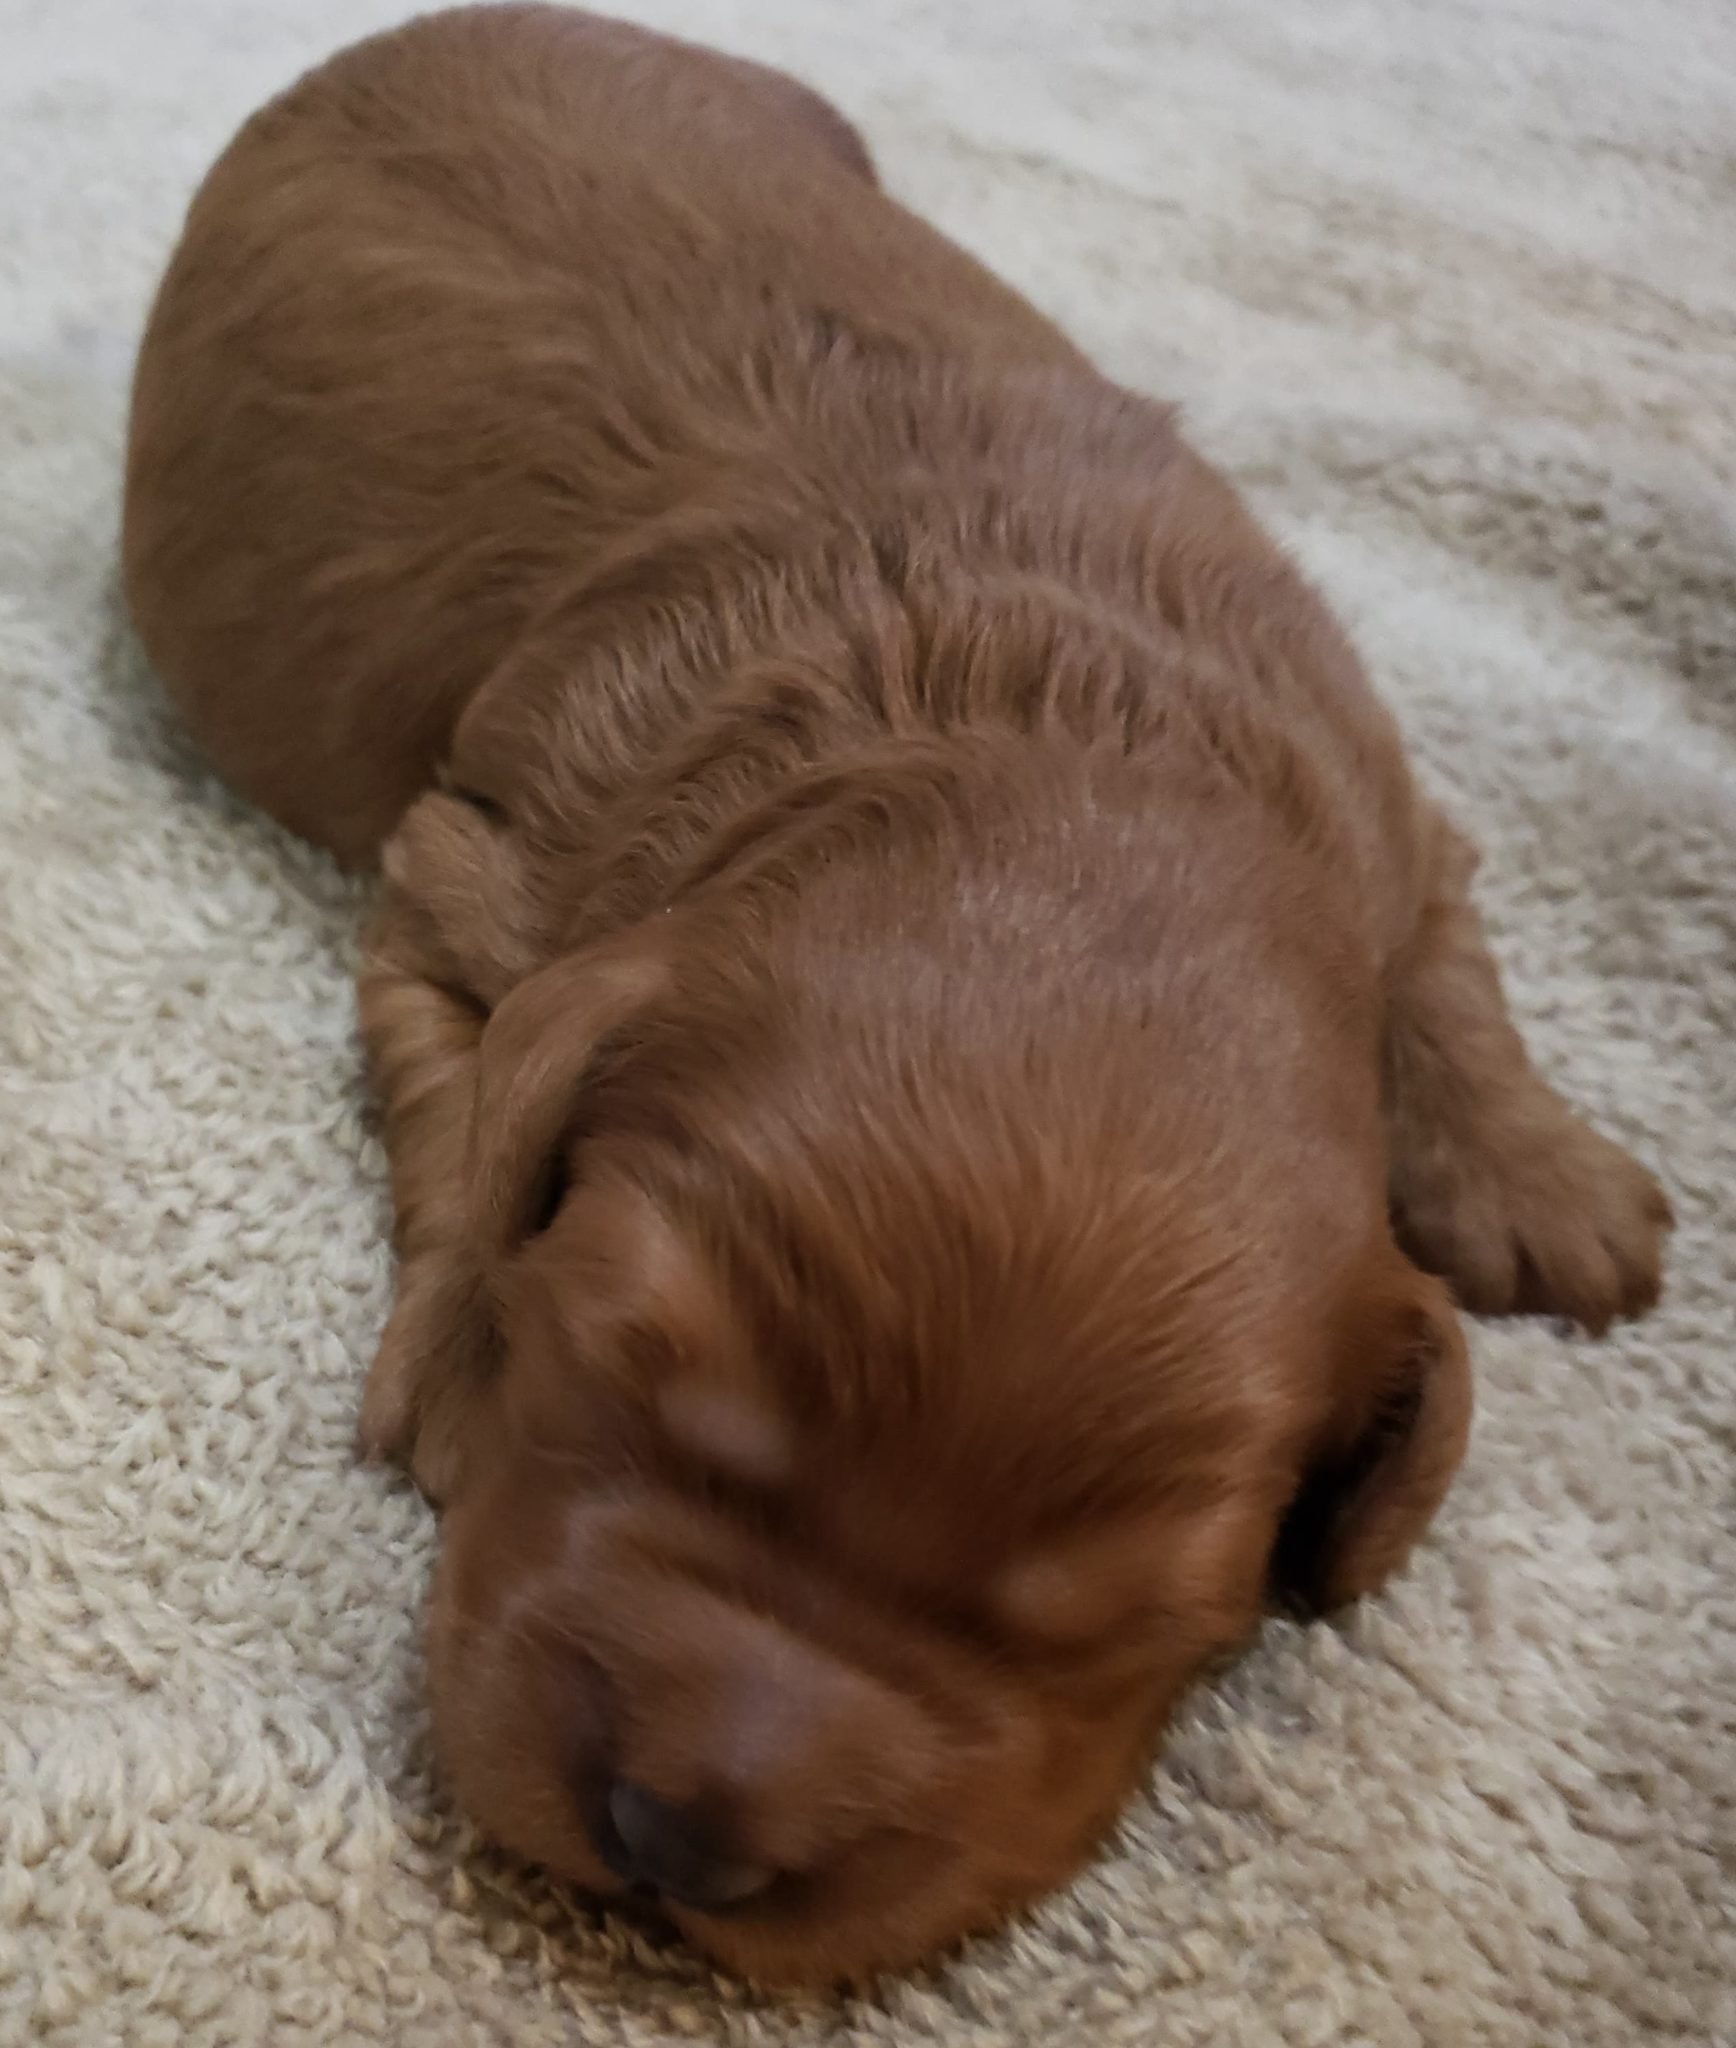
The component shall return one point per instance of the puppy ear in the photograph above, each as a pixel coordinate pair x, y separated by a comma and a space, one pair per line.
1389, 1452
462, 872
538, 1048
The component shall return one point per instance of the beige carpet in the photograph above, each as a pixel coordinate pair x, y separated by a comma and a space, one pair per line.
1452, 285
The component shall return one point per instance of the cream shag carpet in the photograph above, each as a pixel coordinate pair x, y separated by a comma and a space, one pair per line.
1451, 285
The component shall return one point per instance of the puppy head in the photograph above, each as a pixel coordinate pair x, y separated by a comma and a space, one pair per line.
862, 1489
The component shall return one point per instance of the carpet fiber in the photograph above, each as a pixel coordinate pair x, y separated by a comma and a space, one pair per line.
1449, 285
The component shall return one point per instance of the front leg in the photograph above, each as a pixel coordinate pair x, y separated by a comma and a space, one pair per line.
1496, 1183
437, 1351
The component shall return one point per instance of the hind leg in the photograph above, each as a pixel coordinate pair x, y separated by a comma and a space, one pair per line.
1496, 1184
809, 113
799, 110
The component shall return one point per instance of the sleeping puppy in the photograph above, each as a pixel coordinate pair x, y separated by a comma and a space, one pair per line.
930, 1047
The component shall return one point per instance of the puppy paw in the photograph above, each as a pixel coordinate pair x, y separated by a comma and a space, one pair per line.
431, 1368
1542, 1216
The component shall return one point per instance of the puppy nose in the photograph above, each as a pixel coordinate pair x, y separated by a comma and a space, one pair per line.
680, 1852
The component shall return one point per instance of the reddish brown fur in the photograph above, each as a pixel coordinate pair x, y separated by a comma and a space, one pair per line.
911, 972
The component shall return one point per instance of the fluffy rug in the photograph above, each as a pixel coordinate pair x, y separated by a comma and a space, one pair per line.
1448, 284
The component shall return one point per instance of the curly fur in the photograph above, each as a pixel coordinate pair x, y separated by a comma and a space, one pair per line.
915, 986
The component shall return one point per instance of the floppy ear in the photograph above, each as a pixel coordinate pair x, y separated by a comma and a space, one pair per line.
1390, 1451
537, 1049
463, 874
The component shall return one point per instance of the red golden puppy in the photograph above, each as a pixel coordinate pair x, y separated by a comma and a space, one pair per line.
929, 1044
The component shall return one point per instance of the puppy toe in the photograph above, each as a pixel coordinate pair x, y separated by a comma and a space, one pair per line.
1551, 1220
